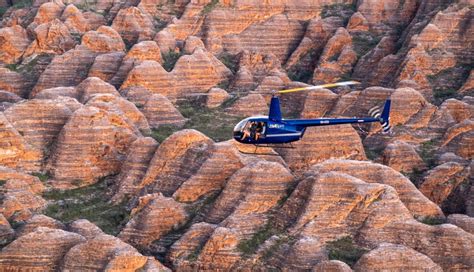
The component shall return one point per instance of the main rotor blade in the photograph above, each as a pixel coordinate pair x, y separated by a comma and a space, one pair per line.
330, 85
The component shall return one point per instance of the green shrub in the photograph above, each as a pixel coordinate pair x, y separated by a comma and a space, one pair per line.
16, 224
209, 7
77, 37
281, 240
27, 68
363, 43
224, 84
289, 190
373, 153
160, 24
334, 57
441, 94
23, 4
42, 176
163, 132
3, 10
230, 61
13, 67
415, 176
345, 77
194, 255
85, 5
249, 246
345, 250
344, 11
432, 221
427, 152
170, 59
301, 75
446, 82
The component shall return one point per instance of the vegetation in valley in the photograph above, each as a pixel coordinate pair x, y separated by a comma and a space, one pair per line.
279, 242
344, 249
249, 246
301, 75
22, 4
303, 70
363, 43
339, 10
373, 153
416, 176
209, 7
89, 202
446, 82
163, 132
3, 10
43, 176
195, 214
215, 123
170, 59
230, 61
28, 68
427, 152
160, 24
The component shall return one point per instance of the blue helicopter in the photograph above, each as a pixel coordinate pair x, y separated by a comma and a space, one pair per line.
274, 131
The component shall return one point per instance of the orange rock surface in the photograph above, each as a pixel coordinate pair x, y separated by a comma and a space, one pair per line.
93, 100
133, 24
442, 180
344, 143
71, 160
51, 38
42, 249
14, 43
418, 204
155, 216
104, 39
398, 257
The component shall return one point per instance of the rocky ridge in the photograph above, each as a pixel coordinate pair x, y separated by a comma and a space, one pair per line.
116, 149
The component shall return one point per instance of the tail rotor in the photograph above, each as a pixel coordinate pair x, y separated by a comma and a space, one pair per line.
383, 116
375, 112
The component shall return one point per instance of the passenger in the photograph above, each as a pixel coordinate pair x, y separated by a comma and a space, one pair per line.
246, 131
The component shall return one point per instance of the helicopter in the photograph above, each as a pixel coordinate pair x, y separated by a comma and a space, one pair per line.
274, 131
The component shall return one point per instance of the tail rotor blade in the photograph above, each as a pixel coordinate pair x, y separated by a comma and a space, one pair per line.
383, 116
386, 127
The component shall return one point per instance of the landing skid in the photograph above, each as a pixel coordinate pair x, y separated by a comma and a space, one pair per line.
267, 146
288, 145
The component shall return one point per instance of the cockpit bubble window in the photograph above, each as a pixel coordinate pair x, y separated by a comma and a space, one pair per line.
240, 126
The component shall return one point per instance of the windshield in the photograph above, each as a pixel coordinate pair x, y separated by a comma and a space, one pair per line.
240, 126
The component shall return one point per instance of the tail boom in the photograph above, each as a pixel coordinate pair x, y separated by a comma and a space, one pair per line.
377, 116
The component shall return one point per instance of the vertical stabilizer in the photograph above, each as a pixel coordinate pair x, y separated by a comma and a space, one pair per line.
385, 119
275, 112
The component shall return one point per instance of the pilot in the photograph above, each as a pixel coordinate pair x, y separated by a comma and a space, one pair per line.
259, 130
253, 130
